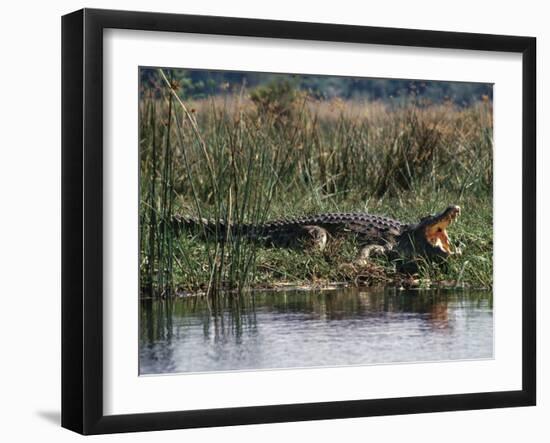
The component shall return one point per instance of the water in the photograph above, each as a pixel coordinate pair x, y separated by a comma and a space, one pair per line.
293, 329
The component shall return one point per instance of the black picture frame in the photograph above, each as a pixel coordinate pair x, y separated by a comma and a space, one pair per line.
82, 215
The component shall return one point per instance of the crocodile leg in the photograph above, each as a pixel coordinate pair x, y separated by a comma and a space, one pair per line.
316, 237
366, 252
306, 236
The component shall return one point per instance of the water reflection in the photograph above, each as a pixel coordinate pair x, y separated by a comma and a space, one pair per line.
313, 328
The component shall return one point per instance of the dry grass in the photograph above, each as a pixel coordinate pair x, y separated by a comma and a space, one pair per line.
232, 158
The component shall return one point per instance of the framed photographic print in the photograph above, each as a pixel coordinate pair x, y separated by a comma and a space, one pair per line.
270, 221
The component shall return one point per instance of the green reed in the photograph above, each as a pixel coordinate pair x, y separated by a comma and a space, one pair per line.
237, 160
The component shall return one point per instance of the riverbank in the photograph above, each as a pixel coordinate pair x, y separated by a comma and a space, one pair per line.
337, 266
233, 159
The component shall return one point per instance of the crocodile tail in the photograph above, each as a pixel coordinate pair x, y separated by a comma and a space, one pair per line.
209, 227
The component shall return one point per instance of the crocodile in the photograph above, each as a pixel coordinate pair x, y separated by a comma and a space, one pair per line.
376, 234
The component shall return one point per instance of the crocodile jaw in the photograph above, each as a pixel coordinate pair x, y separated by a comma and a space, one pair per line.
436, 232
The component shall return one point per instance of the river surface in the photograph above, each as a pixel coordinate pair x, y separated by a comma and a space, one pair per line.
296, 329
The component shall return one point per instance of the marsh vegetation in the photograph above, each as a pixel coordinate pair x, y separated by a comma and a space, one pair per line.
273, 151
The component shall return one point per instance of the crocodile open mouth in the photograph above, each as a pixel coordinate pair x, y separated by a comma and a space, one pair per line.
436, 231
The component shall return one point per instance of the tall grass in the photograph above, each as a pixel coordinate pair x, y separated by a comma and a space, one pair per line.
252, 155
